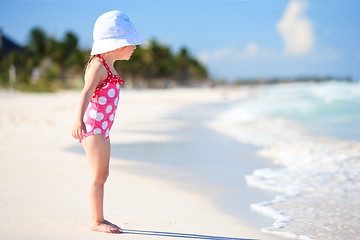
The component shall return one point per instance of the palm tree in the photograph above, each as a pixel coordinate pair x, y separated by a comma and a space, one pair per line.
37, 45
183, 62
62, 51
162, 64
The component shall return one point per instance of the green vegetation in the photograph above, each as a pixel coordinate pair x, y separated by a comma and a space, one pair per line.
48, 64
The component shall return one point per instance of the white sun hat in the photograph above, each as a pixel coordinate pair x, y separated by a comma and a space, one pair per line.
114, 30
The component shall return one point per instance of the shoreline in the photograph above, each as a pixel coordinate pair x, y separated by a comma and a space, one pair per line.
224, 191
44, 186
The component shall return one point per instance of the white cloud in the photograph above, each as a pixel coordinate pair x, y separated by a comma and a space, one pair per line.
217, 54
296, 29
251, 49
232, 54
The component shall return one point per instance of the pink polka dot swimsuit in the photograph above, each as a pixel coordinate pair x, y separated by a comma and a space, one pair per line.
100, 113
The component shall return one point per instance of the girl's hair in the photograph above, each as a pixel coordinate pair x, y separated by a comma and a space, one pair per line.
92, 57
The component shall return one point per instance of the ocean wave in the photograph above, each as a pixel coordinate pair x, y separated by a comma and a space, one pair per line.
319, 184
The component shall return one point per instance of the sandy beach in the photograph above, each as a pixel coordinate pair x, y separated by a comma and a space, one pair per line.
44, 174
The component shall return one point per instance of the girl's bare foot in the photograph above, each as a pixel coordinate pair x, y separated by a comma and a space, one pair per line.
112, 224
105, 226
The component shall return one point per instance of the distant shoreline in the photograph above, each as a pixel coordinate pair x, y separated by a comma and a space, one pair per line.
275, 80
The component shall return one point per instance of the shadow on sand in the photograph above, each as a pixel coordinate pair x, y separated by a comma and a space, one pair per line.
179, 235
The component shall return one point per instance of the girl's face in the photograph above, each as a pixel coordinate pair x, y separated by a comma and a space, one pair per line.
125, 53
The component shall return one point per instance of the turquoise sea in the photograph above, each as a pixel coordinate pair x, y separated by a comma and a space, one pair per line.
327, 109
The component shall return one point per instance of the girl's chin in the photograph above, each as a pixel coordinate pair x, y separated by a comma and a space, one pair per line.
125, 58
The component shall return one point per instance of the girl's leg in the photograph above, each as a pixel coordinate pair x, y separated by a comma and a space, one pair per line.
98, 153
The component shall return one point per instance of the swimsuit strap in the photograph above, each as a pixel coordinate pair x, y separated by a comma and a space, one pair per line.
105, 65
111, 77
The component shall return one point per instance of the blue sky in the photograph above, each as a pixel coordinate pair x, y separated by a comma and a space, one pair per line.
233, 38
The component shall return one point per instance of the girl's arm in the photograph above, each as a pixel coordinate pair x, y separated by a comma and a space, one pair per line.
94, 75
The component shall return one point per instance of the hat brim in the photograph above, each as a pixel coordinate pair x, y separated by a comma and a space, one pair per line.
110, 44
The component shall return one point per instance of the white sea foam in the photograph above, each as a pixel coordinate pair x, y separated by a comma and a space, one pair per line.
320, 181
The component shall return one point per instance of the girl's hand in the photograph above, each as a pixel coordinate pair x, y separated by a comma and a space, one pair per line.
78, 129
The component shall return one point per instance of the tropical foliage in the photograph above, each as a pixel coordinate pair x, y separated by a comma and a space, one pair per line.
48, 64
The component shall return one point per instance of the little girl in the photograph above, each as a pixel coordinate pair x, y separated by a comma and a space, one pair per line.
115, 38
